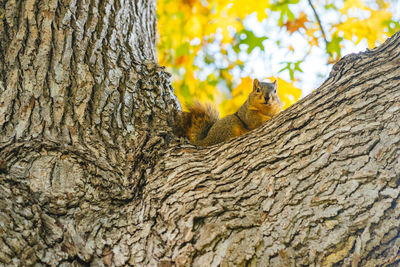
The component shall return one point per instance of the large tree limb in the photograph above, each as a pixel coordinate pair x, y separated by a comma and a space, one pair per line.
99, 179
318, 185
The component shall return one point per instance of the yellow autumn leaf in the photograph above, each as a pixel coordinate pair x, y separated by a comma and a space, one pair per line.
311, 36
288, 93
352, 5
371, 28
194, 27
295, 25
242, 9
187, 27
239, 96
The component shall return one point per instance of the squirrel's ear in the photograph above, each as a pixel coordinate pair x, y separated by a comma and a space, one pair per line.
275, 83
255, 84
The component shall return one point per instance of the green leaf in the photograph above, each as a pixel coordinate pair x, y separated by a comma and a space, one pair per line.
392, 26
249, 38
334, 45
297, 66
185, 92
211, 80
292, 67
183, 49
285, 13
330, 6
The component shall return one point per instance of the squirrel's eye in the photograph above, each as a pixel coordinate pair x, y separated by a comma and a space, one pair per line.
258, 89
275, 91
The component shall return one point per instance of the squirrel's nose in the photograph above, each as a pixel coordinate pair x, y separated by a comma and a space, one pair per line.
266, 98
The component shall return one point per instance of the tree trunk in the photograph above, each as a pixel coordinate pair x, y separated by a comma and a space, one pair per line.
90, 172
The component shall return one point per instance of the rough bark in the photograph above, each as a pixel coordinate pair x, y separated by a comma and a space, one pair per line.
91, 174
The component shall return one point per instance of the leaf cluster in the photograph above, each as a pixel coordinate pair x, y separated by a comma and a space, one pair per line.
210, 49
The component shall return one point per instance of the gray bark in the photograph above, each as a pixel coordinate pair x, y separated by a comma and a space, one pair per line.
91, 173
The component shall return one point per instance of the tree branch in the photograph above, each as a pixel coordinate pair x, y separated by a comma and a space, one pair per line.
319, 23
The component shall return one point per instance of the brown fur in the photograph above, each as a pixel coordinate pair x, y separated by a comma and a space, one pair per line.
202, 126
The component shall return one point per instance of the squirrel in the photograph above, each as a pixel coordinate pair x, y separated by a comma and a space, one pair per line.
202, 126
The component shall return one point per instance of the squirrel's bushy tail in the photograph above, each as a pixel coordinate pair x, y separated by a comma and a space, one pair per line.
196, 123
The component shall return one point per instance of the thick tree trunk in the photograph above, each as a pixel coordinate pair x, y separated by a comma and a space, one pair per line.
91, 174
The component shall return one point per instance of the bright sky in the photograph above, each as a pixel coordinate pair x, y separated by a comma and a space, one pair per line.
262, 64
315, 67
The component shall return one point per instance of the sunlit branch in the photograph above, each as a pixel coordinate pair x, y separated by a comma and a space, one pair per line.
319, 22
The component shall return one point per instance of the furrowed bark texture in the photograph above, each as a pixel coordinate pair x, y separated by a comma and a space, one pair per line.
79, 85
83, 109
90, 173
317, 186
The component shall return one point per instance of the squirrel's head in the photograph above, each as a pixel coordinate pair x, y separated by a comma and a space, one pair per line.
264, 98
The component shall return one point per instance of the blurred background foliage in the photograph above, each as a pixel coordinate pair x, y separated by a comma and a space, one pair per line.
214, 48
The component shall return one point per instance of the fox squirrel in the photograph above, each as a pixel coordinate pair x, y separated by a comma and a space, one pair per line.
202, 126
